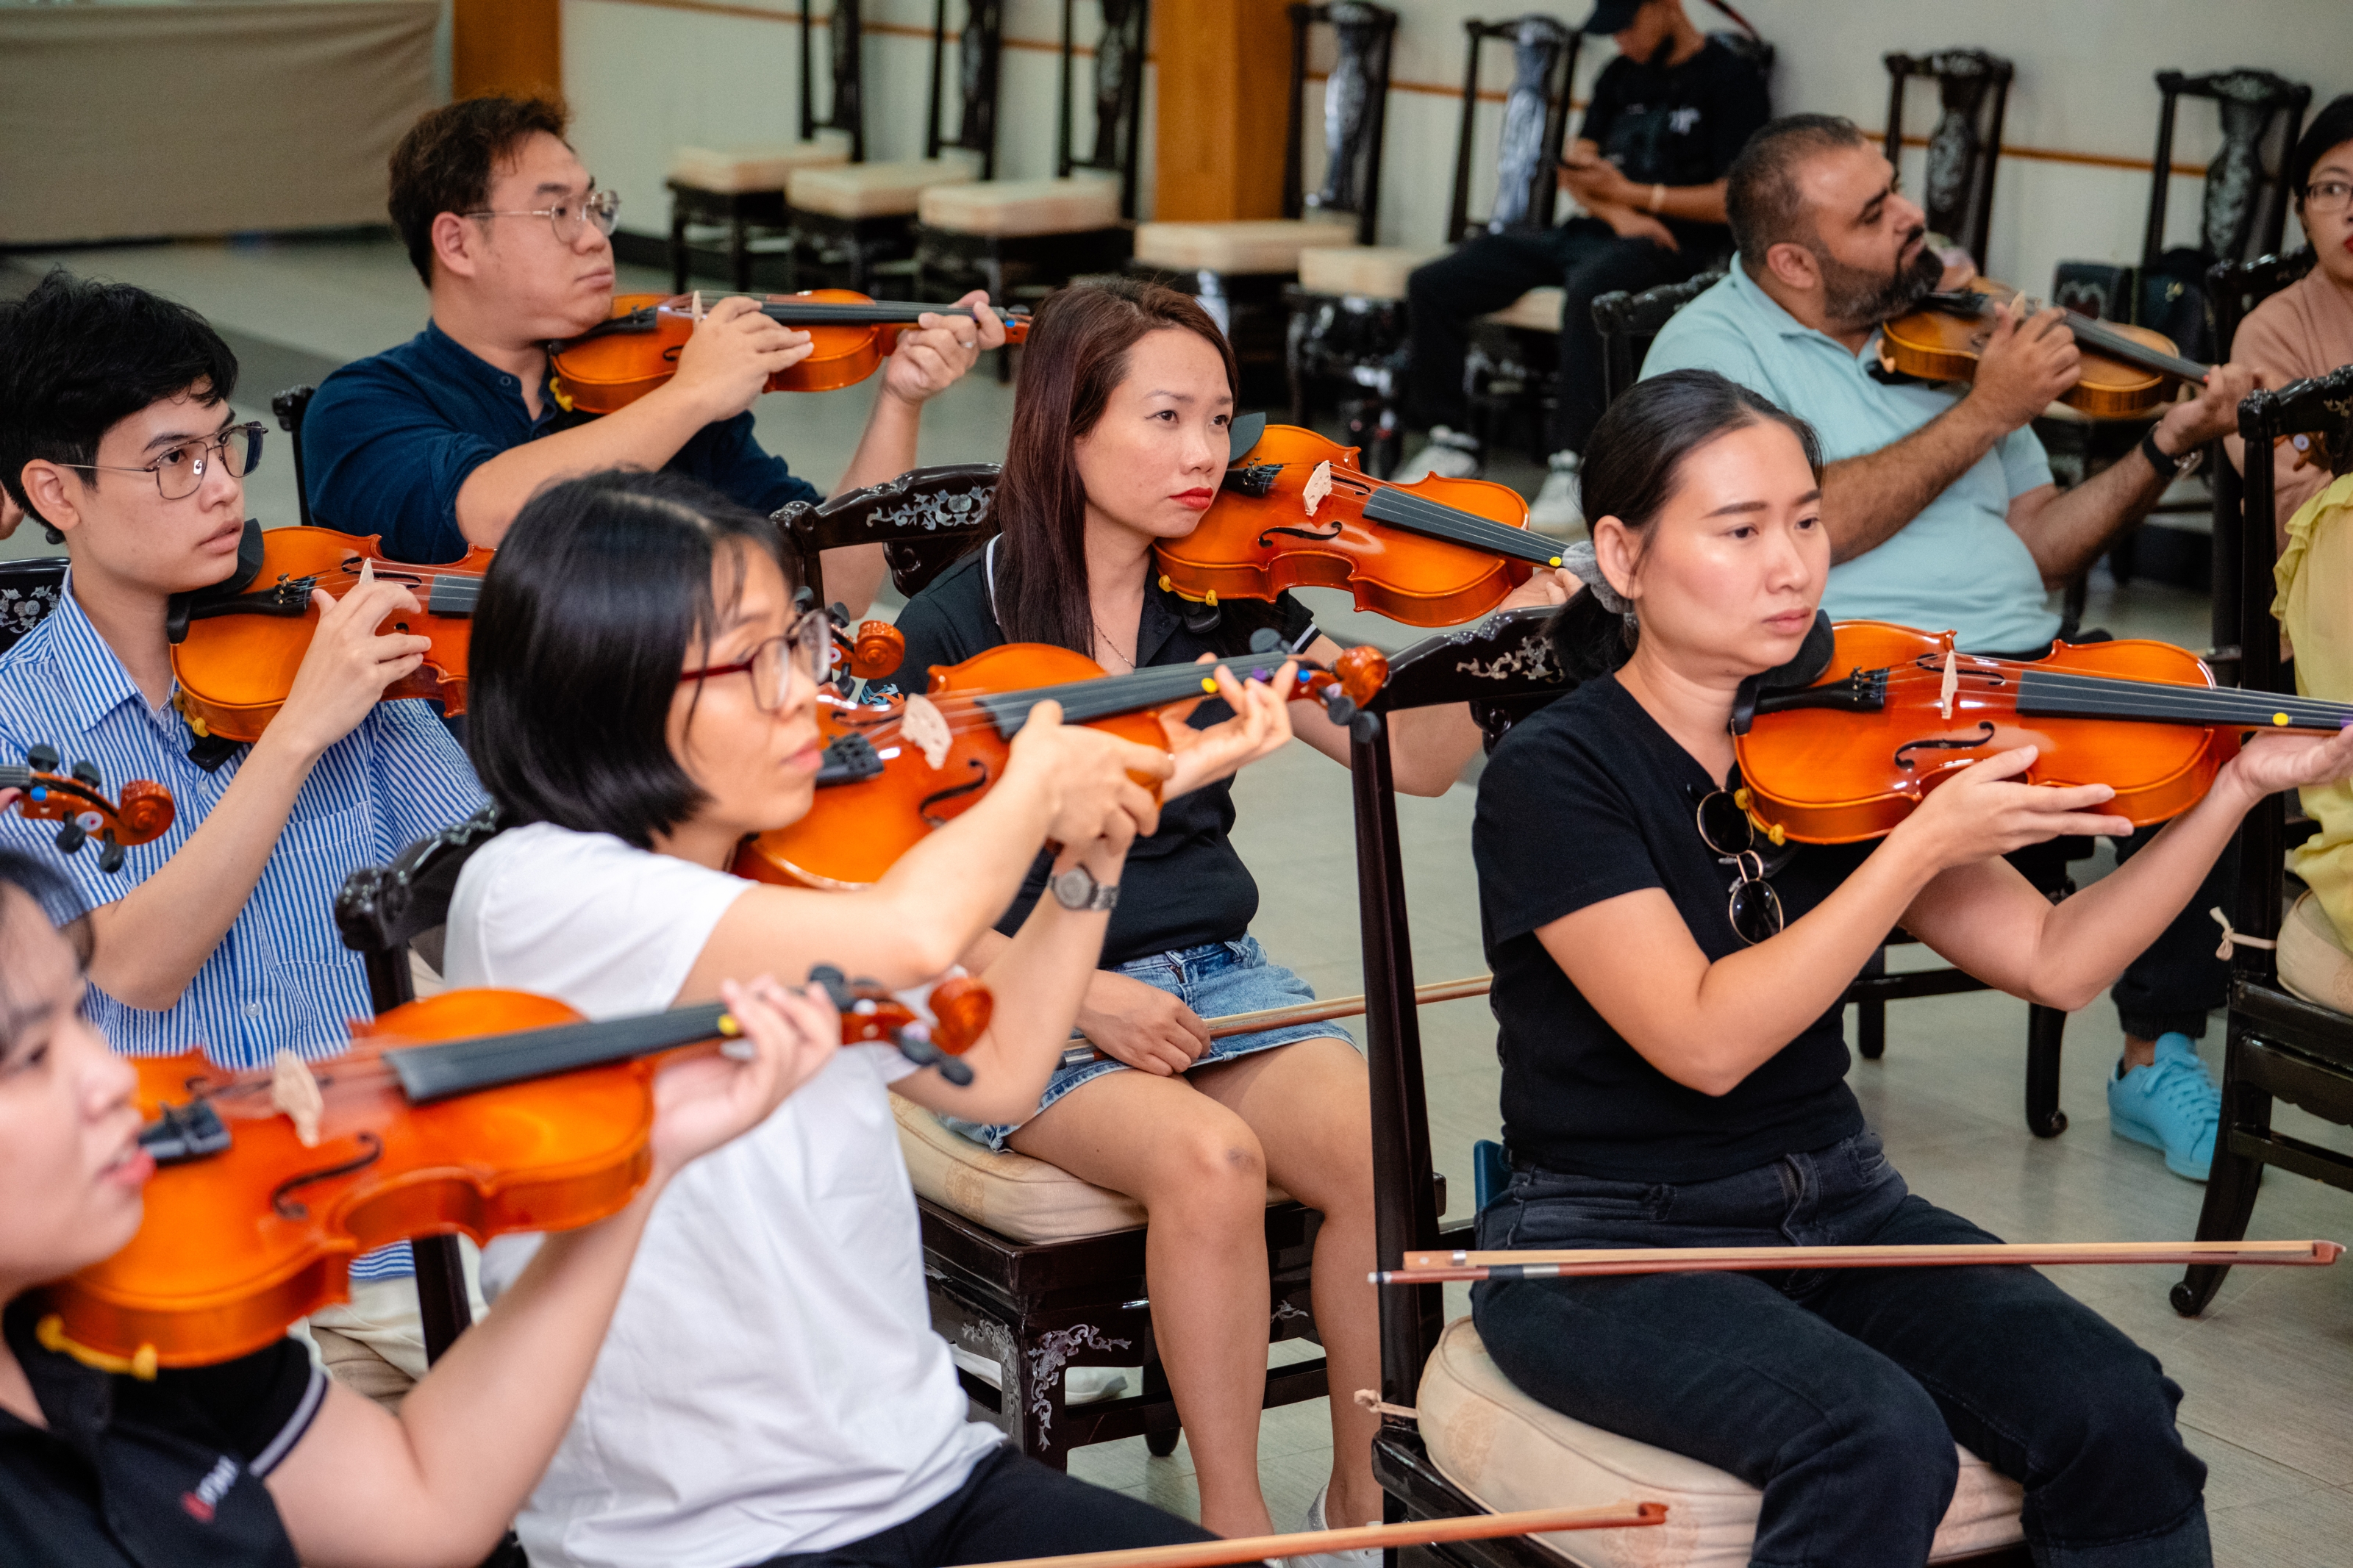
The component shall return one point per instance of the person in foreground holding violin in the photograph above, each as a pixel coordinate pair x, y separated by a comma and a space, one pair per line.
263, 1460
1697, 1096
116, 431
1939, 502
1119, 440
772, 1387
437, 443
2307, 329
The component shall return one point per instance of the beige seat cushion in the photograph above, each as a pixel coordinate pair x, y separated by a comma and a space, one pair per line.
2313, 961
879, 190
1011, 1194
1366, 271
1538, 310
1267, 245
1011, 208
1510, 1452
733, 169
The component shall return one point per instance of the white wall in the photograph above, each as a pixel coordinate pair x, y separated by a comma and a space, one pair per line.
644, 77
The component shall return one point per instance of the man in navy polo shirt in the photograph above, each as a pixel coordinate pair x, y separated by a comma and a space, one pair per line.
1939, 502
436, 444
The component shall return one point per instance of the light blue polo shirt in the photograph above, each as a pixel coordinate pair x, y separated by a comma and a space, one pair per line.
1958, 565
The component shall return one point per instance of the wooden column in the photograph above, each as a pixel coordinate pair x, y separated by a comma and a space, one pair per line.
1225, 68
506, 47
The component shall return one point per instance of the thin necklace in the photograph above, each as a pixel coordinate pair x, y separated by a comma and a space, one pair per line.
1102, 640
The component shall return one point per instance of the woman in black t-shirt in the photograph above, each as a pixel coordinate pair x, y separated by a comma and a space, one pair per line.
1668, 988
1119, 441
262, 1460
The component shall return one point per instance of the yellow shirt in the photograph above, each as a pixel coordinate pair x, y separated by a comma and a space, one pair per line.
2314, 575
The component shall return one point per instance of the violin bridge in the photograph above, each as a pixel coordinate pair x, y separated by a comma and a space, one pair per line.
1318, 486
923, 726
294, 1092
1951, 688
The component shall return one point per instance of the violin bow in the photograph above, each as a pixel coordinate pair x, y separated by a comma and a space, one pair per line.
1082, 1053
1368, 1537
1438, 1268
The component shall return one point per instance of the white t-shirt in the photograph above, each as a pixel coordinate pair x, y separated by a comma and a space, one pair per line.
771, 1383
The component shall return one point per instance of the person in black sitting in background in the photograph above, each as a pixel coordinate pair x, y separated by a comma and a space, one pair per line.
1668, 985
1665, 121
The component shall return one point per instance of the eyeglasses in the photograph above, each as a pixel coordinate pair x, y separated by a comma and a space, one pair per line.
2327, 196
1754, 907
179, 471
807, 649
602, 208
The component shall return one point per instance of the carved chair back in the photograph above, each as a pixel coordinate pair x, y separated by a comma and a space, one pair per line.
1628, 322
923, 519
1356, 110
1973, 89
290, 406
2246, 197
28, 591
1118, 95
2233, 288
980, 51
1535, 124
848, 110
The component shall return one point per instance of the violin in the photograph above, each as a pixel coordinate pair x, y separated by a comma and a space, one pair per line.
891, 772
1294, 509
1898, 711
82, 810
2126, 371
614, 364
236, 646
483, 1111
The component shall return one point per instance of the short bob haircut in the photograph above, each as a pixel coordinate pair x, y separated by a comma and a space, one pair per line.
585, 618
55, 898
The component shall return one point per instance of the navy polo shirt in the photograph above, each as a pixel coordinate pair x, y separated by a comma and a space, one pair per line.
160, 1474
389, 440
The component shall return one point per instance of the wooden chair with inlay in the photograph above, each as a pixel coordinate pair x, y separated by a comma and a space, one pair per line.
847, 221
1237, 269
1347, 312
740, 190
2233, 289
1457, 1436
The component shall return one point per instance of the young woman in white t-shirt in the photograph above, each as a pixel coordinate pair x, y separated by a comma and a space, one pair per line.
642, 700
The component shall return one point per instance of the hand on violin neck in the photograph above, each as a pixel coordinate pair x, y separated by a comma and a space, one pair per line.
934, 354
2271, 762
1988, 809
1085, 777
703, 1102
726, 363
1545, 586
1260, 726
348, 667
2209, 416
2026, 364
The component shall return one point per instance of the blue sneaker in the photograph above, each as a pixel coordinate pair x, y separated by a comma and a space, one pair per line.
2173, 1105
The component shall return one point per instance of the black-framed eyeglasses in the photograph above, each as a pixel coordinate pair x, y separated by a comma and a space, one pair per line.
2327, 196
1755, 908
602, 208
180, 471
807, 649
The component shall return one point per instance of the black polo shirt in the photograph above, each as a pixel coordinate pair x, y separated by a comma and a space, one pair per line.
1183, 887
161, 1474
1585, 801
1678, 125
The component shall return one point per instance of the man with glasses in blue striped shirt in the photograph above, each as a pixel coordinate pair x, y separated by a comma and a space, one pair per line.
116, 432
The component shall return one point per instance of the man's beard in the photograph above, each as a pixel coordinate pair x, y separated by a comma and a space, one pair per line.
1856, 297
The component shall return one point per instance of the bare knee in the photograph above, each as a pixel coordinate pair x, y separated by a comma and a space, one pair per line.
1214, 1167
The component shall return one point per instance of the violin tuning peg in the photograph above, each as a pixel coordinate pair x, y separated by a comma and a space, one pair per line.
957, 1072
1266, 639
838, 613
71, 837
835, 986
110, 858
804, 599
42, 758
1338, 705
86, 773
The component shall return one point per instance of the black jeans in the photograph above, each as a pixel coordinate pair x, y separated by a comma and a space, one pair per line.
1009, 1506
1582, 256
1841, 1393
2171, 987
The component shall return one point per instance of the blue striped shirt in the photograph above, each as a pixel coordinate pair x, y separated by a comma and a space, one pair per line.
281, 976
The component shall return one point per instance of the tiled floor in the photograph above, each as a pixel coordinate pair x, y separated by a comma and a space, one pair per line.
2268, 1370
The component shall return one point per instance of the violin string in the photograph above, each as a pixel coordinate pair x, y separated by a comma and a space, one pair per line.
2130, 698
966, 712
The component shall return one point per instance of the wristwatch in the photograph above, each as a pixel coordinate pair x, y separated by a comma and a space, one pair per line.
1077, 889
2179, 465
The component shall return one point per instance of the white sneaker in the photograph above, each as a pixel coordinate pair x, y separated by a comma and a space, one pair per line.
1449, 455
1362, 1557
1080, 1385
1559, 508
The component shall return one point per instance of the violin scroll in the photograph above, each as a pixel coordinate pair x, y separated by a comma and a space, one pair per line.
75, 801
961, 1007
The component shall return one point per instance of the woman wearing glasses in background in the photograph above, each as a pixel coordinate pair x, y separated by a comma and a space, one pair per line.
1668, 988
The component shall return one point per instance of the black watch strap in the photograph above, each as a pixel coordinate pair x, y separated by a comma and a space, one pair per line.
2168, 468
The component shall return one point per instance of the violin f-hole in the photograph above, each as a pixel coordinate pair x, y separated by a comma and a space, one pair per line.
1314, 533
978, 781
1904, 759
286, 1207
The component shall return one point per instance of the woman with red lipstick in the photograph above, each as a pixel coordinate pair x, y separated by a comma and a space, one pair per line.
263, 1460
1668, 986
1119, 442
